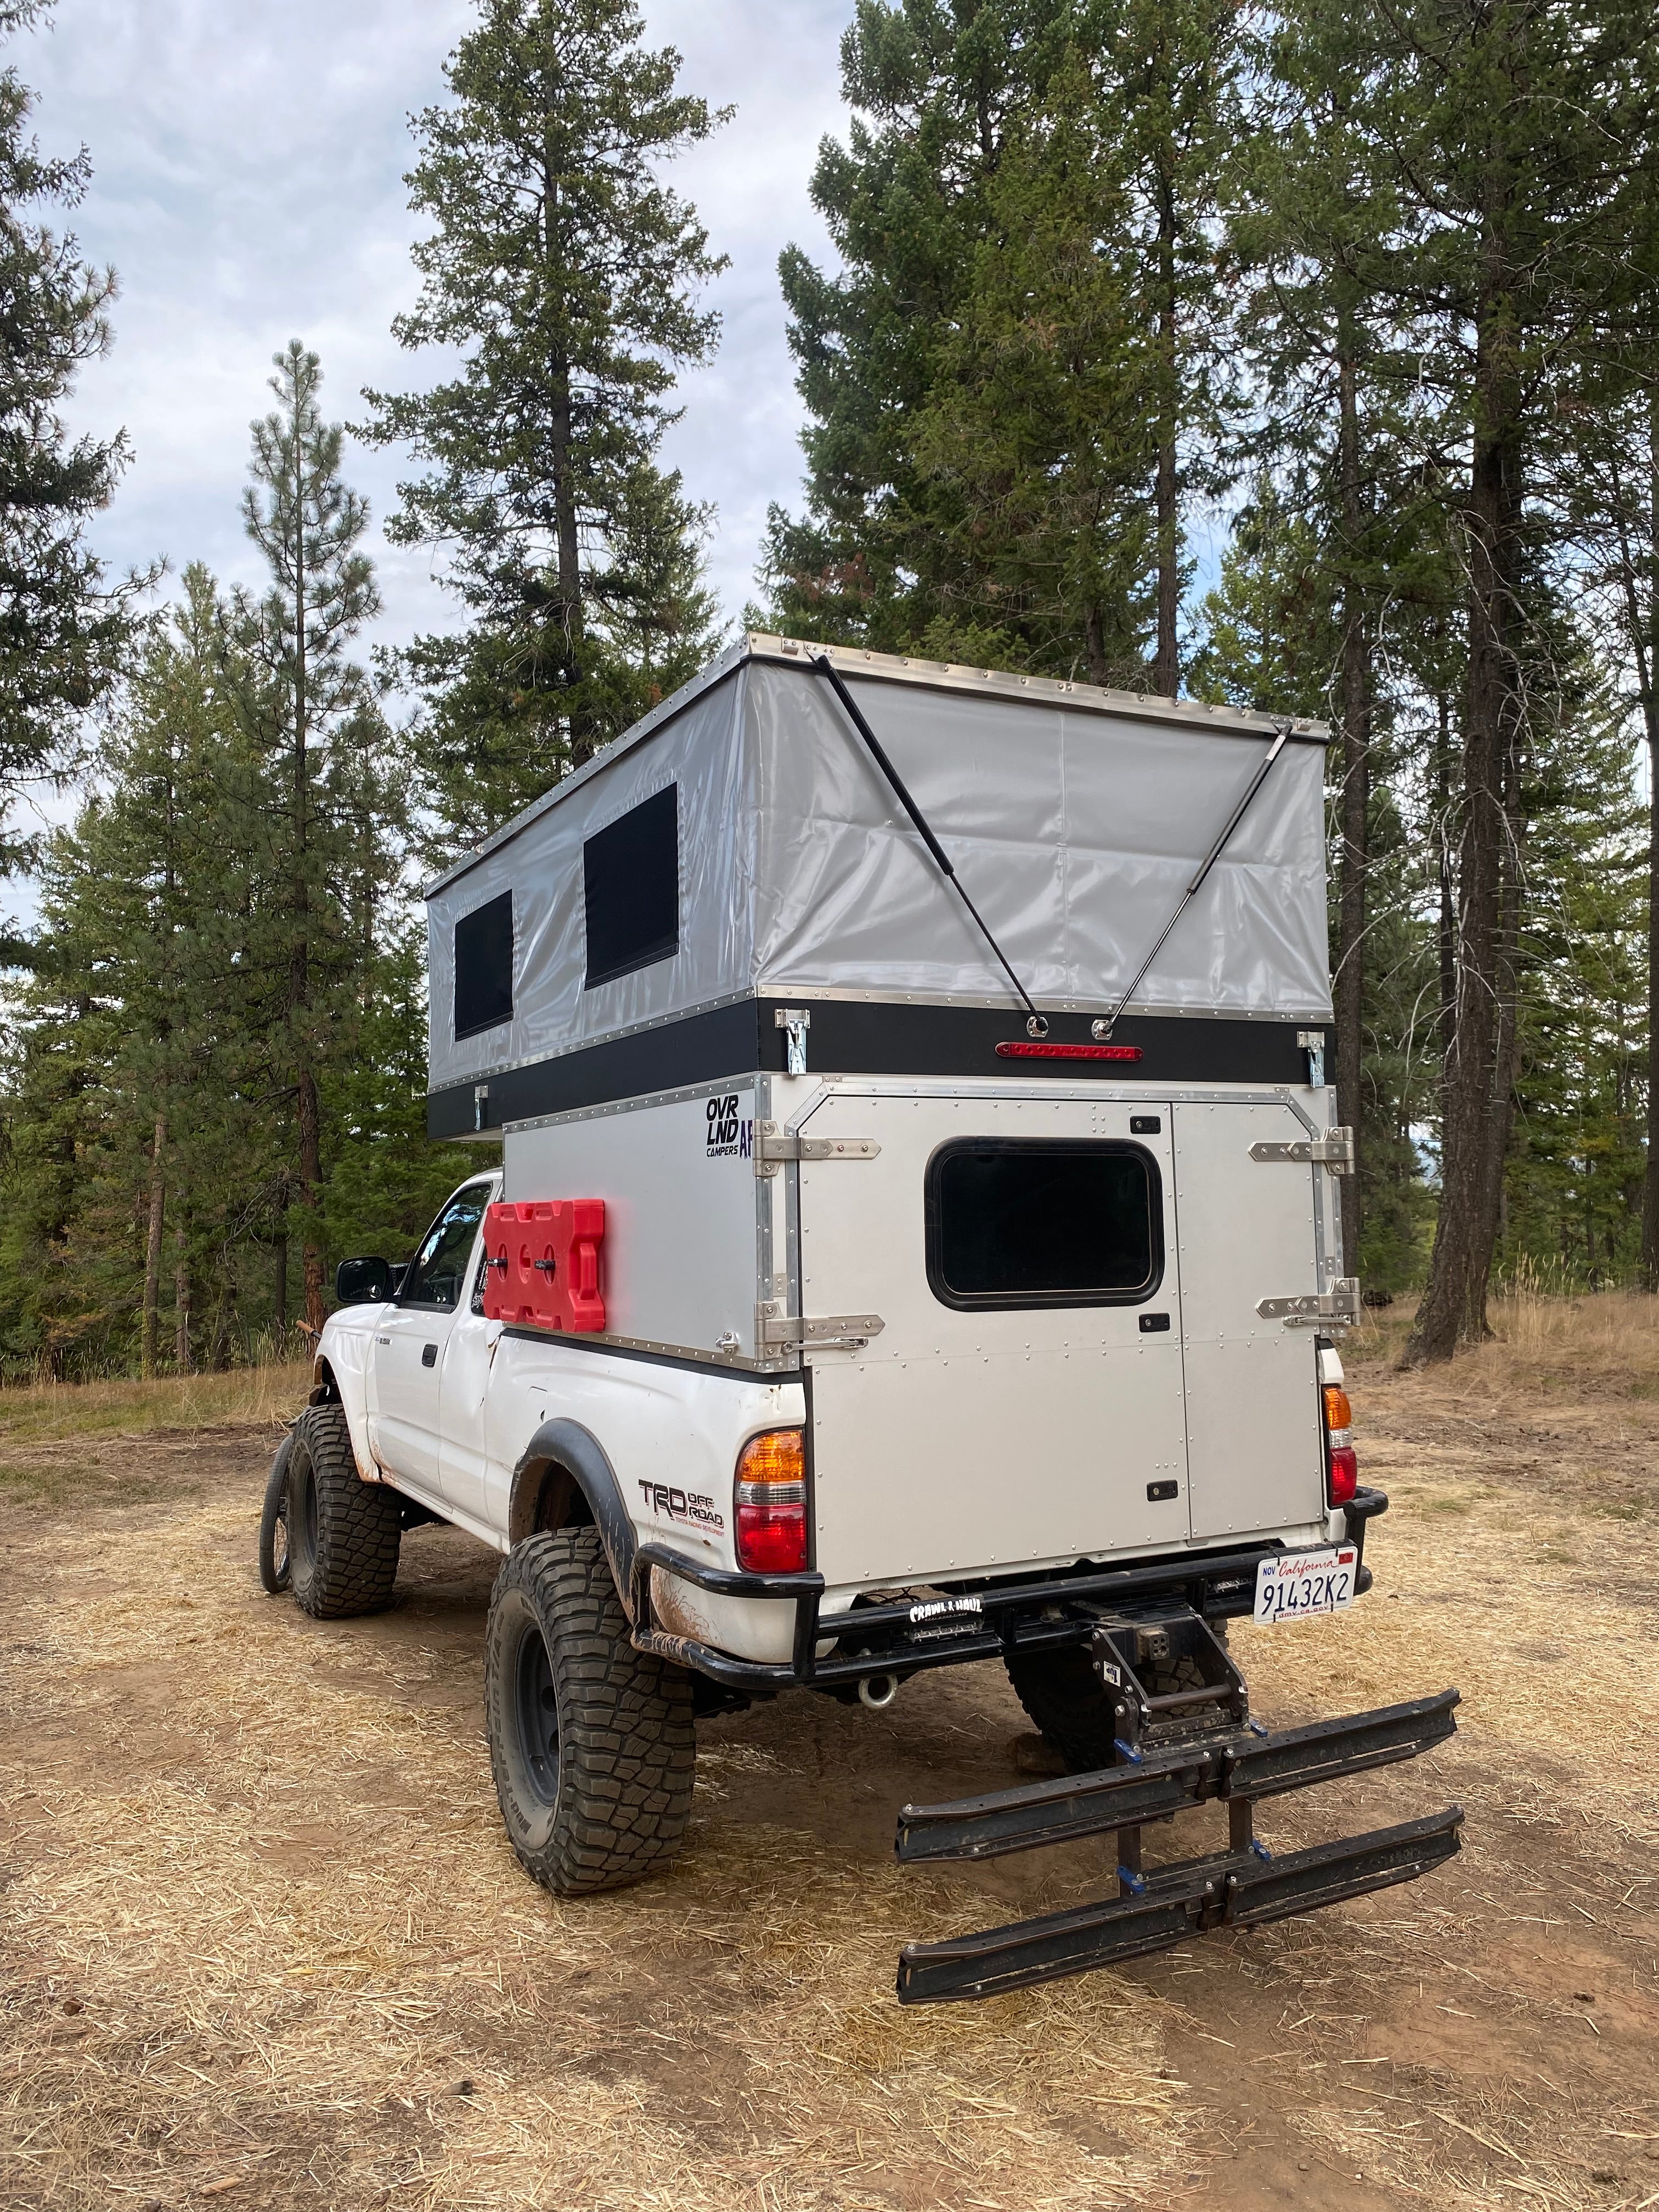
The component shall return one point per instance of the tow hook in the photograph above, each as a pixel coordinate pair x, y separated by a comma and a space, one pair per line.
877, 1691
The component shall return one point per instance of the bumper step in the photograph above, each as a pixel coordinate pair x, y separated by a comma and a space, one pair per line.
1235, 1889
1244, 1766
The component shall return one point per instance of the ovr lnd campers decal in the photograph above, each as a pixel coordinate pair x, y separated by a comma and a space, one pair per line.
730, 1137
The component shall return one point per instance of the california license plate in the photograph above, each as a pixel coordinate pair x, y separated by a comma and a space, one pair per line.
1296, 1584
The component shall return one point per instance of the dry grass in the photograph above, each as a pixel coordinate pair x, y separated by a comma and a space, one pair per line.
39, 1411
1540, 1345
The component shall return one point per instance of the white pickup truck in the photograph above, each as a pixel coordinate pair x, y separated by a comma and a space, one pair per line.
889, 1268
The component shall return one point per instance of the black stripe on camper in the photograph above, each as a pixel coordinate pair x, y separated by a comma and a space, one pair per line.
854, 1038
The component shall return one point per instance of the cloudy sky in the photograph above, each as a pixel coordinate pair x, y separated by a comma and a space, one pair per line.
248, 158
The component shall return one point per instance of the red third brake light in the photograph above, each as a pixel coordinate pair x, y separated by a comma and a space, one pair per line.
1341, 1462
770, 1496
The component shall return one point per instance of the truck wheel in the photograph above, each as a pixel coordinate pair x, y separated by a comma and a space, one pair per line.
343, 1533
1069, 1703
591, 1741
273, 1572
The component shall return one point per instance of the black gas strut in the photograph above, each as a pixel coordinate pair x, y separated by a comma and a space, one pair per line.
1036, 1024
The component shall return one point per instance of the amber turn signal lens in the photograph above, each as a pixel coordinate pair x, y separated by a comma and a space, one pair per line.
1339, 1415
778, 1455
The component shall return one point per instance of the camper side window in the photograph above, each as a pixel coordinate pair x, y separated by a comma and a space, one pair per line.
631, 889
1042, 1222
484, 967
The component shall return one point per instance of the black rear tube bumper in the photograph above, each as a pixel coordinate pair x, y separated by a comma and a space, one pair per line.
992, 1621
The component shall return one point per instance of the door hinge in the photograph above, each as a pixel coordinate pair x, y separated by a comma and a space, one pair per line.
1334, 1150
774, 1326
772, 1147
1338, 1307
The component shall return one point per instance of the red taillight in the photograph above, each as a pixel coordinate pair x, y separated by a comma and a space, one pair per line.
1341, 1462
771, 1497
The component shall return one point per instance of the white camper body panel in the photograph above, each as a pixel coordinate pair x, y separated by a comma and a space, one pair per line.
683, 1251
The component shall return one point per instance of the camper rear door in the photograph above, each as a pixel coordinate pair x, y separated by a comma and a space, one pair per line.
1023, 1401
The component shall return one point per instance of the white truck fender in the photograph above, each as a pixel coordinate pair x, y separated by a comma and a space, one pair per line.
340, 1360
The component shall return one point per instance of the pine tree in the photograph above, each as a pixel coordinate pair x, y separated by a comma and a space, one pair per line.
1308, 223
935, 89
303, 701
63, 628
1173, 95
1030, 440
567, 273
1011, 386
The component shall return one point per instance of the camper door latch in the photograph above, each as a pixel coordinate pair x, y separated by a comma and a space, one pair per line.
772, 1326
1334, 1150
772, 1147
1338, 1306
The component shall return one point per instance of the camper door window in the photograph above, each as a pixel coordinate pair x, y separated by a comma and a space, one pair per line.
1042, 1222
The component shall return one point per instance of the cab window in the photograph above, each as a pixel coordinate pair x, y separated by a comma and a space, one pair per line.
435, 1273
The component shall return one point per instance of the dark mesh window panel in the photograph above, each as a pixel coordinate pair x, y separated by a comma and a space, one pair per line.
631, 884
484, 967
1043, 1222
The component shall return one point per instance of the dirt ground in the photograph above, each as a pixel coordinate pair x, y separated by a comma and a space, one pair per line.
262, 1939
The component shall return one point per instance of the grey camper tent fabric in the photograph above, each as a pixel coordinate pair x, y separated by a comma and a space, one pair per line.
1075, 819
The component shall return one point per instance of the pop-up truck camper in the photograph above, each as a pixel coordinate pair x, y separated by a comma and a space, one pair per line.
917, 1242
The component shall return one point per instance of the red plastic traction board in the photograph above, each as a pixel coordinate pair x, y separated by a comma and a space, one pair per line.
543, 1268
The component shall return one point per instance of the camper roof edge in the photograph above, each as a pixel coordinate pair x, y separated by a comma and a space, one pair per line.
893, 668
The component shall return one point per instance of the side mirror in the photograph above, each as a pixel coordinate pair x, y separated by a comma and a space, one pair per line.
363, 1282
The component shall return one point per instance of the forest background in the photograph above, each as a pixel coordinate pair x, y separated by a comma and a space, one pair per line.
1376, 285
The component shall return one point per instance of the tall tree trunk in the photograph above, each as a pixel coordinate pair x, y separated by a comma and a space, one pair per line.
151, 1323
1641, 579
308, 1116
1166, 665
311, 1177
562, 440
282, 1287
1350, 994
1446, 932
1094, 642
1507, 1048
181, 1300
1454, 1306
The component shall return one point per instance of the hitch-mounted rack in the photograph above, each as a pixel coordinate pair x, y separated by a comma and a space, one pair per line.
1175, 1748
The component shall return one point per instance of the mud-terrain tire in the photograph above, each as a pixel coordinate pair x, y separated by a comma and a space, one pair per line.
343, 1533
591, 1741
275, 1572
1069, 1703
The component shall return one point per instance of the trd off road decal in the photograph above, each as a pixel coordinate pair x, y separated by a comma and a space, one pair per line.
689, 1506
729, 1138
